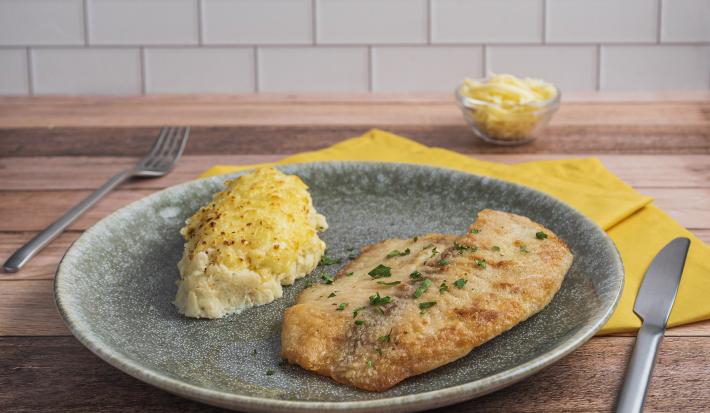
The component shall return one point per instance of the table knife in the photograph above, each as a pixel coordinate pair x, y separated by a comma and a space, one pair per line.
653, 305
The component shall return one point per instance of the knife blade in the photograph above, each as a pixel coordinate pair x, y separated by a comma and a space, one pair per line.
653, 305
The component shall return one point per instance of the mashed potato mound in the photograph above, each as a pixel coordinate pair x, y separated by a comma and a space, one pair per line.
258, 234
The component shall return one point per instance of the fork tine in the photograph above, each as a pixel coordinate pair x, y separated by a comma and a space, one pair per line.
156, 145
172, 149
181, 142
165, 149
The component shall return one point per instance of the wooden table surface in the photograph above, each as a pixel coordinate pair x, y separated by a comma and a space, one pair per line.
55, 150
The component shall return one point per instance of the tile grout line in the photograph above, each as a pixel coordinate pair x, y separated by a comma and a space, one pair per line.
659, 19
30, 72
599, 67
256, 69
85, 21
544, 21
370, 82
314, 25
428, 22
484, 60
141, 54
200, 26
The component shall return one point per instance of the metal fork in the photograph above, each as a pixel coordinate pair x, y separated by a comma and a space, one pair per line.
159, 161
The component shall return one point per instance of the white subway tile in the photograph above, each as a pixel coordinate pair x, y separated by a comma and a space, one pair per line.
371, 21
579, 21
568, 67
422, 68
313, 69
86, 71
257, 21
41, 22
486, 21
685, 21
655, 67
199, 70
139, 22
13, 76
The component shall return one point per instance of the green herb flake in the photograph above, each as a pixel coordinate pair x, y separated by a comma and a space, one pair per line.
379, 351
460, 283
357, 310
369, 363
475, 231
331, 295
384, 339
524, 249
309, 283
270, 372
416, 275
349, 274
341, 306
481, 263
415, 239
443, 288
359, 322
381, 271
375, 299
427, 246
327, 278
398, 253
389, 284
352, 256
324, 260
496, 248
434, 252
422, 288
427, 304
540, 235
442, 262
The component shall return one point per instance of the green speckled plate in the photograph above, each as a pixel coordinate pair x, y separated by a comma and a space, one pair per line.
115, 286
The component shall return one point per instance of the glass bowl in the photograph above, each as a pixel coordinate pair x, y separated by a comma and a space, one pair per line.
507, 125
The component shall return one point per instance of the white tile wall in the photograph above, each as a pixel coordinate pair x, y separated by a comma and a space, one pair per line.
86, 71
136, 22
313, 69
14, 72
486, 21
569, 67
41, 22
371, 21
411, 69
685, 21
199, 70
258, 21
655, 67
570, 21
166, 46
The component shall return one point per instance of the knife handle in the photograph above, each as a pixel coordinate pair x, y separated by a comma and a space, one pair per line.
638, 374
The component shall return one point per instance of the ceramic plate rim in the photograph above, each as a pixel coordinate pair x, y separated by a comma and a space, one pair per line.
410, 402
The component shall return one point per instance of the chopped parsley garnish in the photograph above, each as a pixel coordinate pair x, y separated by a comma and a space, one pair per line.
443, 288
327, 278
375, 299
381, 271
540, 235
391, 283
398, 253
349, 274
384, 339
357, 310
270, 372
427, 246
329, 261
352, 256
331, 295
341, 306
416, 275
475, 231
434, 252
359, 322
309, 283
416, 239
496, 248
379, 351
369, 363
427, 304
463, 248
442, 262
523, 249
481, 263
460, 283
422, 288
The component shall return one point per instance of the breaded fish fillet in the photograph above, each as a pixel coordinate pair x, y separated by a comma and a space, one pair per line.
408, 306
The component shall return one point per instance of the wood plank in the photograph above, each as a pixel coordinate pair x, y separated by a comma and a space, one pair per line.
57, 374
358, 109
592, 138
34, 210
44, 265
84, 172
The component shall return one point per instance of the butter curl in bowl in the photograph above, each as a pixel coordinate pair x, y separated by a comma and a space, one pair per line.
507, 110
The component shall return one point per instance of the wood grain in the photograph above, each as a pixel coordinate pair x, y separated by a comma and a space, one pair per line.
42, 372
595, 138
89, 172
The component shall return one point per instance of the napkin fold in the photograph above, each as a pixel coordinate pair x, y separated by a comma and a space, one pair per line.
638, 227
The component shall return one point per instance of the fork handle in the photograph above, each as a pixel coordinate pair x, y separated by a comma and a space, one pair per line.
33, 246
638, 374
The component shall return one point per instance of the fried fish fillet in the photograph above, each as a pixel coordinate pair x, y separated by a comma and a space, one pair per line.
408, 306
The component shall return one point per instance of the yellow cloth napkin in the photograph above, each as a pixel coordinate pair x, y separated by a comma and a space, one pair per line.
638, 228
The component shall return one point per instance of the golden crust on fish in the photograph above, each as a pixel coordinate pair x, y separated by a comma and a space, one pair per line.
383, 326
